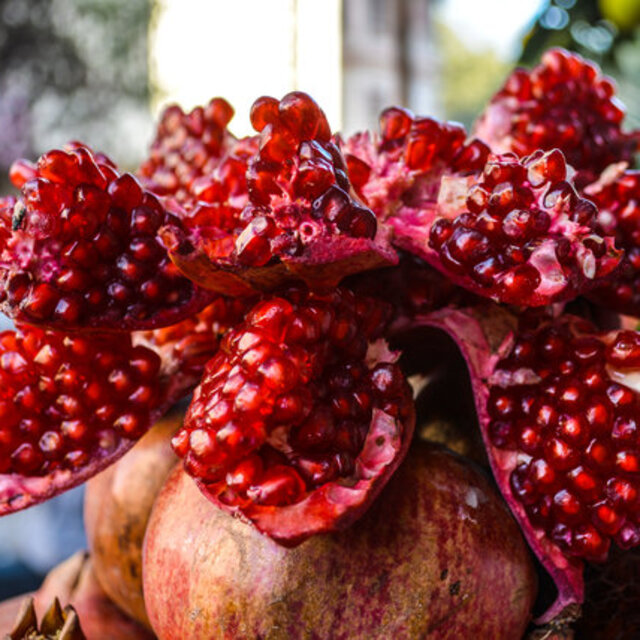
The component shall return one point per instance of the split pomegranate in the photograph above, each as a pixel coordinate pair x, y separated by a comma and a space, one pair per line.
301, 417
302, 219
557, 405
512, 230
564, 102
116, 511
80, 249
70, 405
436, 556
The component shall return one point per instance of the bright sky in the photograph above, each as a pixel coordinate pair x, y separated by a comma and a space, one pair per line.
242, 49
498, 24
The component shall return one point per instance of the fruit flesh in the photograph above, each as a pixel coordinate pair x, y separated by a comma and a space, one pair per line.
563, 102
300, 219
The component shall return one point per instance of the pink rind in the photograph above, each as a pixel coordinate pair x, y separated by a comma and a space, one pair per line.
483, 338
335, 505
321, 266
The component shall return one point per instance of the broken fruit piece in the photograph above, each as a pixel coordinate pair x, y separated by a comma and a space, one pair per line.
70, 406
557, 403
301, 417
515, 231
302, 220
79, 250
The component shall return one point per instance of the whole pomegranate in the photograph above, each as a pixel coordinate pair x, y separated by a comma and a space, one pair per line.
437, 555
74, 582
116, 511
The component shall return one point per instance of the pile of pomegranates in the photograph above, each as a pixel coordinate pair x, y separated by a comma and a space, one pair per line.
314, 306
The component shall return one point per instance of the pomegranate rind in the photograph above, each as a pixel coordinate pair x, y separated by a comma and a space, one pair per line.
484, 337
439, 533
335, 505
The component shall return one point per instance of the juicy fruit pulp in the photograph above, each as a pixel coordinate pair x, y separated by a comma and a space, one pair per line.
508, 228
617, 196
301, 399
438, 534
576, 433
69, 406
80, 249
188, 149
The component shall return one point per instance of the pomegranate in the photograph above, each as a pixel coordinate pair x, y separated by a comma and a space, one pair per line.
564, 102
117, 506
557, 405
617, 196
301, 417
73, 583
188, 149
80, 249
301, 221
71, 405
514, 230
437, 556
58, 623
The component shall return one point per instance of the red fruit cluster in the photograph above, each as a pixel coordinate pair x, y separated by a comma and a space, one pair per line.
565, 103
286, 405
524, 235
80, 249
405, 164
574, 422
187, 149
62, 398
617, 196
302, 413
302, 220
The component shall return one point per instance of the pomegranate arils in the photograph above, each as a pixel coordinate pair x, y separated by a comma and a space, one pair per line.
80, 249
523, 242
511, 229
187, 150
564, 102
285, 409
300, 220
583, 436
69, 404
617, 196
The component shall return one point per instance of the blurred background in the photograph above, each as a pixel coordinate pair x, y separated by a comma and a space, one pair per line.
101, 70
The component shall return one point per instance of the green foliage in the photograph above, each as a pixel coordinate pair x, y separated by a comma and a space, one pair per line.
468, 77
